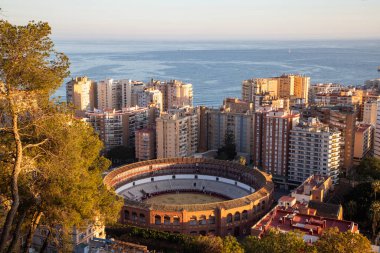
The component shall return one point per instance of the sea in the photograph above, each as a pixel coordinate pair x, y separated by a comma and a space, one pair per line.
217, 68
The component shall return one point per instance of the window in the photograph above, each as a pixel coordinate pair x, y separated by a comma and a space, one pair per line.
211, 219
134, 216
142, 218
245, 215
193, 220
237, 216
176, 220
229, 218
157, 220
167, 220
126, 215
202, 220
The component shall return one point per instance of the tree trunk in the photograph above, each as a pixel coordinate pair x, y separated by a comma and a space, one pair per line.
16, 233
45, 243
14, 183
374, 226
32, 229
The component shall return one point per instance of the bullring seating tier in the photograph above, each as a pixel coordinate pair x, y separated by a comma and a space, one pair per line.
220, 188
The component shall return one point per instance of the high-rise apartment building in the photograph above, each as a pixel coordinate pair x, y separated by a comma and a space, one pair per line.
176, 94
340, 97
235, 117
276, 128
370, 112
322, 88
259, 86
376, 146
80, 93
145, 140
150, 97
285, 86
177, 133
363, 141
109, 126
109, 95
301, 88
117, 128
342, 118
130, 92
314, 149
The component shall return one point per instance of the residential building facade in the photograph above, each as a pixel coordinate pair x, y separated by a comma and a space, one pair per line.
80, 93
177, 133
314, 149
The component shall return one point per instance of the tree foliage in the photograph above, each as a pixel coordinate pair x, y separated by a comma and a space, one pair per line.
332, 241
369, 168
121, 155
50, 162
277, 242
231, 245
228, 151
170, 242
359, 200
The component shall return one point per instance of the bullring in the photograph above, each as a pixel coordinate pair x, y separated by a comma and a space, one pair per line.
238, 195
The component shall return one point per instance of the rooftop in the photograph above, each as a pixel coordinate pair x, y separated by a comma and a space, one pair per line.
362, 127
292, 220
312, 183
325, 209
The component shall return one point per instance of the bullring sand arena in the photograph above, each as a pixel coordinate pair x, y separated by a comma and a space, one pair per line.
179, 198
192, 195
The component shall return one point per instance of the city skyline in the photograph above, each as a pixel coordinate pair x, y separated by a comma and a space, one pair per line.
201, 20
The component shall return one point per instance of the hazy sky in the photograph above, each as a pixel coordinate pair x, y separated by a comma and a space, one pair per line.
200, 19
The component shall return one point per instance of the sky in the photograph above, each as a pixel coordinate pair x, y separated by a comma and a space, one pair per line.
200, 19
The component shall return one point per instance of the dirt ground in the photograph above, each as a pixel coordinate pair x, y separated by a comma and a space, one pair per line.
183, 198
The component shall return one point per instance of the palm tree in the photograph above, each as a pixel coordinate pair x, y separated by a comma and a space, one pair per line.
375, 215
351, 208
375, 187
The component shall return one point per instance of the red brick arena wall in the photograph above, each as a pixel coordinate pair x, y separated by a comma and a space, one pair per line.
234, 216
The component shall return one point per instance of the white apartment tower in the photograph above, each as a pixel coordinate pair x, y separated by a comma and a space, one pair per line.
314, 149
109, 93
130, 91
117, 128
177, 133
